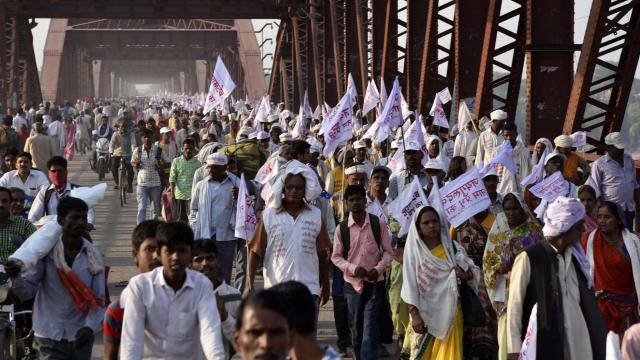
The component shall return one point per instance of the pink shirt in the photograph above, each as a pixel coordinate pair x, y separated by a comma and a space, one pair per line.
363, 251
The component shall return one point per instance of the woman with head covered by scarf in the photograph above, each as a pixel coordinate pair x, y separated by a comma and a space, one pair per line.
568, 322
432, 265
291, 236
613, 253
512, 231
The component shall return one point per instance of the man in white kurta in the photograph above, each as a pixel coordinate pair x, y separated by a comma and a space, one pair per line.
490, 140
579, 338
510, 182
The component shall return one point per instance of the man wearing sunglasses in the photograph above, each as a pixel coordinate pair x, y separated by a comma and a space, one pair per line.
46, 202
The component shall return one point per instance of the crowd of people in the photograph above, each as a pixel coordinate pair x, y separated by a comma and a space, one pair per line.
323, 229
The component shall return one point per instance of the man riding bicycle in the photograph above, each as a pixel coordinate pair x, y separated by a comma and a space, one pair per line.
121, 146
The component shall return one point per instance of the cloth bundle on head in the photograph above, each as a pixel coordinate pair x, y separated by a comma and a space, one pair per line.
356, 169
207, 149
498, 115
561, 215
285, 137
563, 141
312, 188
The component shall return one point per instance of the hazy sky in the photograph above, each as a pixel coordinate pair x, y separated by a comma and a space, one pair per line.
582, 8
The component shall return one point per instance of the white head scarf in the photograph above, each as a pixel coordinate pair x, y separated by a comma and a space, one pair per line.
312, 188
436, 297
442, 156
548, 147
561, 215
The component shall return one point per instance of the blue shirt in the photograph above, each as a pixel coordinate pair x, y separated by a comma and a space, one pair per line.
54, 315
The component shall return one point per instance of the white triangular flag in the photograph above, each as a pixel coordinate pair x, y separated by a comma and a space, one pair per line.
392, 114
246, 221
407, 203
351, 89
221, 86
504, 158
383, 92
437, 111
371, 98
464, 115
415, 133
530, 342
307, 107
337, 127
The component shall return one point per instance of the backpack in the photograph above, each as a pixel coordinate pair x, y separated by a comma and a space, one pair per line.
47, 197
345, 234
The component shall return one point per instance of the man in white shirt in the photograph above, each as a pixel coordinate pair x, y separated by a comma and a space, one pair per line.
58, 136
205, 260
212, 214
46, 202
169, 312
25, 178
490, 140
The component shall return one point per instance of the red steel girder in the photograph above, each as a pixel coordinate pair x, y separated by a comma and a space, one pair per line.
392, 52
437, 51
377, 30
300, 51
355, 44
316, 40
597, 105
499, 80
337, 25
549, 61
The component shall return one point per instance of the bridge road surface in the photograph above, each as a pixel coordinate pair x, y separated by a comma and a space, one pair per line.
112, 234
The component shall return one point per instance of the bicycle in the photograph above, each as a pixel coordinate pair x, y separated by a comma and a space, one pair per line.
122, 181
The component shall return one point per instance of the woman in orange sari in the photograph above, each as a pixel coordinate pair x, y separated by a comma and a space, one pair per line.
614, 256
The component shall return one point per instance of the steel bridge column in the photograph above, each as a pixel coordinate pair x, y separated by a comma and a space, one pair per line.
376, 51
470, 21
549, 61
417, 11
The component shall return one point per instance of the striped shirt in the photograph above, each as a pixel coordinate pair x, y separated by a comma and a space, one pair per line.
182, 173
16, 228
112, 325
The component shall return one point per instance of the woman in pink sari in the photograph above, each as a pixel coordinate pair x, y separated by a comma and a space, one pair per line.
70, 127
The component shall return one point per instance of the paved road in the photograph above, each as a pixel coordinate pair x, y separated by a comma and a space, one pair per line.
113, 236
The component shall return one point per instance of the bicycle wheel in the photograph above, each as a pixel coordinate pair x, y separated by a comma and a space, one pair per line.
121, 188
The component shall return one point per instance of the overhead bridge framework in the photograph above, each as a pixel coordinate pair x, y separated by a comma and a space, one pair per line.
477, 48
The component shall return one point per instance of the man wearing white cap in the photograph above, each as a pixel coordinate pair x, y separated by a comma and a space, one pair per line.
569, 322
263, 139
490, 140
361, 151
564, 145
323, 170
413, 160
355, 174
212, 213
291, 236
275, 133
612, 176
490, 180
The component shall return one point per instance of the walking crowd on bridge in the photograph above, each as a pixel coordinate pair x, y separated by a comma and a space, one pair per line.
251, 218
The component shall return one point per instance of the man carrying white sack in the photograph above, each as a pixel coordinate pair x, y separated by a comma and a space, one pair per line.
291, 236
549, 273
68, 284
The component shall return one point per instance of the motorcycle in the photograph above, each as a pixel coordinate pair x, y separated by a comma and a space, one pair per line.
16, 335
100, 158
